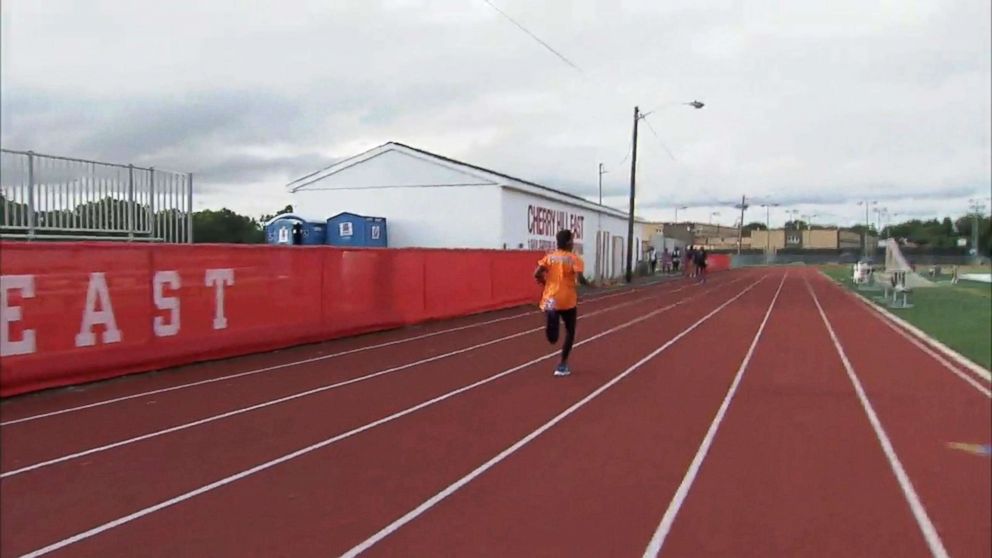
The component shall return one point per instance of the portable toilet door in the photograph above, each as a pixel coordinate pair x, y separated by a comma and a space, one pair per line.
312, 234
281, 231
346, 229
376, 229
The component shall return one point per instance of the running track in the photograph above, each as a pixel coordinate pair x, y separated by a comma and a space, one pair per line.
768, 413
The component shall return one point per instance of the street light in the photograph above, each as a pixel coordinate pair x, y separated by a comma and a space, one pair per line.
768, 226
602, 171
633, 188
714, 214
677, 208
867, 205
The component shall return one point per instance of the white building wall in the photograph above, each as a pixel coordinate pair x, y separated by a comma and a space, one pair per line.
531, 222
421, 217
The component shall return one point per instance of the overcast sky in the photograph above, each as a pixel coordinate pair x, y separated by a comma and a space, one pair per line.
810, 104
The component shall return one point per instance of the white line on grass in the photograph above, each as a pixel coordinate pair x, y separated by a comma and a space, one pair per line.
661, 533
301, 362
329, 441
454, 487
919, 512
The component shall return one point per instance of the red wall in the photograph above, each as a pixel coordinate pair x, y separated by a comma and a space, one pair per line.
718, 262
277, 297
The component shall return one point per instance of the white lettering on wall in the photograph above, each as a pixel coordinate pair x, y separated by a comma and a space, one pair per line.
97, 295
162, 279
10, 314
219, 278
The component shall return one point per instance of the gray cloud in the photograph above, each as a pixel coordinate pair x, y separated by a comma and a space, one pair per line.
810, 104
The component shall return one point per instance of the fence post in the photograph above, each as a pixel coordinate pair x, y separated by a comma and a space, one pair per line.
152, 219
30, 195
130, 203
189, 211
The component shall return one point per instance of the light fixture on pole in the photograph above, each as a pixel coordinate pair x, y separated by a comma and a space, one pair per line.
677, 208
629, 275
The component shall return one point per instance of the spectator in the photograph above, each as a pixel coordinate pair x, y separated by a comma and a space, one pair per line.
666, 261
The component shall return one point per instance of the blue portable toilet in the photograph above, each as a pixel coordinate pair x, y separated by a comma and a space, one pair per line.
290, 229
349, 229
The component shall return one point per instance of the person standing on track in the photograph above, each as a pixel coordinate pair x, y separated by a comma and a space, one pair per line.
558, 272
701, 265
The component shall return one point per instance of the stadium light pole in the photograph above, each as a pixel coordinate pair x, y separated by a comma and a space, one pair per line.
633, 187
768, 226
867, 204
977, 209
602, 171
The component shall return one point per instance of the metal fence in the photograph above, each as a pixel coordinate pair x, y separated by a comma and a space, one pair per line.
61, 198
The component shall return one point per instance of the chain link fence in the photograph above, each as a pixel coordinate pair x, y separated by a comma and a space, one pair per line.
46, 197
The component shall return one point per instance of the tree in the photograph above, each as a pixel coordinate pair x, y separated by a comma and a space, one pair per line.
226, 226
754, 226
283, 211
965, 229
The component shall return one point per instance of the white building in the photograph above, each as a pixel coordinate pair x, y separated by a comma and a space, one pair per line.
431, 201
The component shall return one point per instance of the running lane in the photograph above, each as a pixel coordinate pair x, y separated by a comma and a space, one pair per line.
595, 483
926, 409
795, 468
59, 399
70, 497
97, 426
323, 502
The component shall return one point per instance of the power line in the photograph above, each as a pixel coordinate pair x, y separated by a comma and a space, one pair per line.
535, 37
655, 134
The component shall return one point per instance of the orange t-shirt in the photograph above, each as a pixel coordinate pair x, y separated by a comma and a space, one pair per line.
563, 269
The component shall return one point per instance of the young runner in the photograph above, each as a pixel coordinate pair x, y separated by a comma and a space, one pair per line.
558, 272
701, 264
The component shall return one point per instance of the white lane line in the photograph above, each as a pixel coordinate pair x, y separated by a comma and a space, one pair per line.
454, 487
924, 342
298, 362
303, 451
922, 346
298, 395
919, 512
668, 519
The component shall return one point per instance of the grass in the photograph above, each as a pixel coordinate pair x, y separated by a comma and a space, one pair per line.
959, 316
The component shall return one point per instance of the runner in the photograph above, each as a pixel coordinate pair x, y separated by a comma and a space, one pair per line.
701, 265
558, 272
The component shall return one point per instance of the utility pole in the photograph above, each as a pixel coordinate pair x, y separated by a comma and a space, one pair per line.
768, 226
600, 249
740, 230
633, 188
602, 171
977, 209
867, 205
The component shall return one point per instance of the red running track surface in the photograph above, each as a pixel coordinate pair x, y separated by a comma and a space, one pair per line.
731, 419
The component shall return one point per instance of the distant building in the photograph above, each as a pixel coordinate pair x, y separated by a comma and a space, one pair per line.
815, 239
708, 235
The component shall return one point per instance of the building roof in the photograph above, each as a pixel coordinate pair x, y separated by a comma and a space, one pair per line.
496, 177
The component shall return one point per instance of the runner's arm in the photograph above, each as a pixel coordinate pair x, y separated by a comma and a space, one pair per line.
540, 274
